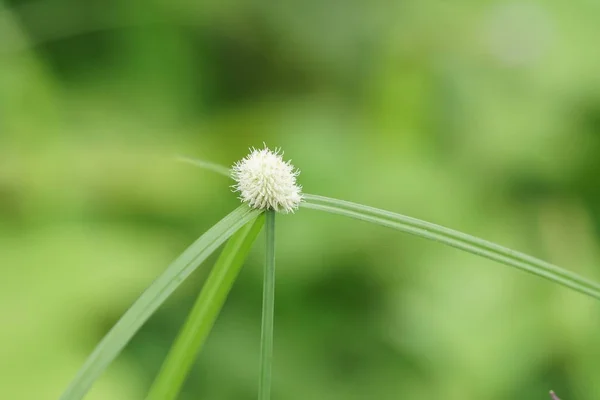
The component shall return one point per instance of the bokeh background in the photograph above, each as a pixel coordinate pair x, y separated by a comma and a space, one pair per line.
479, 115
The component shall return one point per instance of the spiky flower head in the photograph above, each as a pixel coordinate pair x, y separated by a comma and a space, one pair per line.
265, 181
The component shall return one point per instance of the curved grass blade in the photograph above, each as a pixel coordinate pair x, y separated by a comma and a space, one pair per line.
455, 239
116, 339
202, 317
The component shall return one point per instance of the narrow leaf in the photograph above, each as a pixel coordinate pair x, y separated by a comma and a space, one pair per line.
116, 339
202, 317
455, 239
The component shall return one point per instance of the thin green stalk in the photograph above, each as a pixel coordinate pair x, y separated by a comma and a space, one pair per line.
201, 319
268, 309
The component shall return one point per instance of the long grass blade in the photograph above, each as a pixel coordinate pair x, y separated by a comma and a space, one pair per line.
455, 239
202, 317
268, 308
116, 339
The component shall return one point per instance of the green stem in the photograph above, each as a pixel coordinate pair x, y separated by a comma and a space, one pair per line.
268, 308
201, 319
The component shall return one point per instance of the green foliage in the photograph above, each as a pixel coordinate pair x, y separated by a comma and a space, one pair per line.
433, 109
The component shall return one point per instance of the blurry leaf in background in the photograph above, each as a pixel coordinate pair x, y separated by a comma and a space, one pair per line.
411, 107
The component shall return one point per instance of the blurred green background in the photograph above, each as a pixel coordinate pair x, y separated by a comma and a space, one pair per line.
479, 115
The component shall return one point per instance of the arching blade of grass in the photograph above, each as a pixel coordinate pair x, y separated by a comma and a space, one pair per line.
455, 239
116, 339
200, 321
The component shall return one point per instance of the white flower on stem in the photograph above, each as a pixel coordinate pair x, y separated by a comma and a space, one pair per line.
265, 181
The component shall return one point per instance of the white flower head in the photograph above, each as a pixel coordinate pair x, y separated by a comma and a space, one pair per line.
265, 181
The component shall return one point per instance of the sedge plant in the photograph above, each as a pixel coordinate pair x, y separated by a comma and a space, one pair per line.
267, 186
